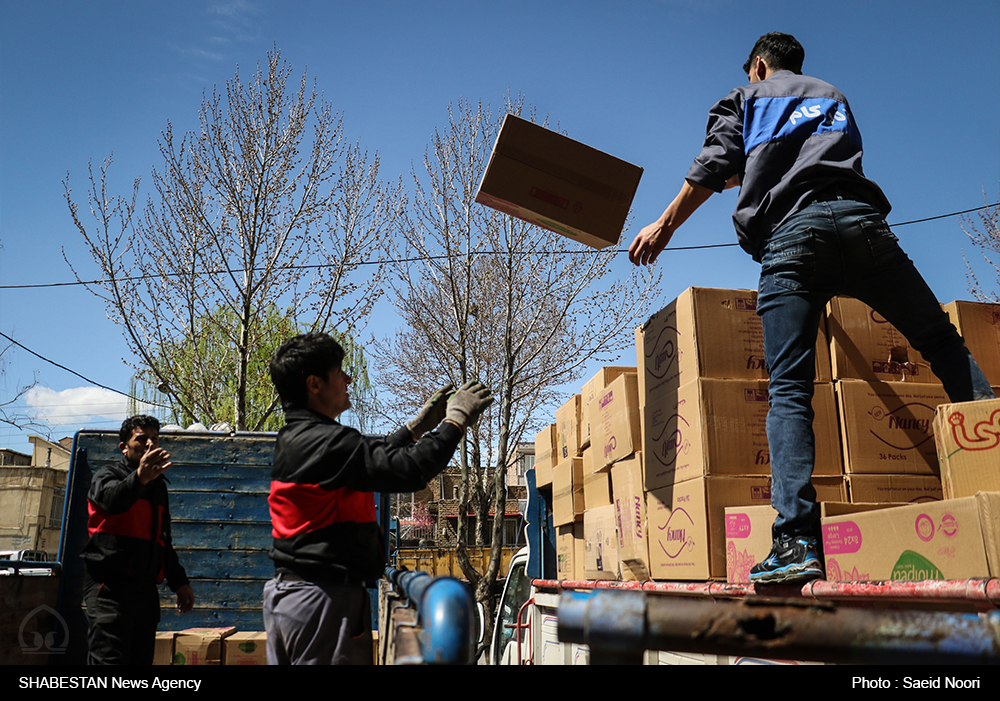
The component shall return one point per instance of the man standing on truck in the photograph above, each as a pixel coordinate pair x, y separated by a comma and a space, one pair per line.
816, 224
327, 543
130, 551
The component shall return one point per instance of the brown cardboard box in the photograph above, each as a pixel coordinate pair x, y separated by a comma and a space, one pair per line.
547, 179
707, 333
601, 537
163, 652
596, 489
568, 430
630, 518
687, 524
950, 539
979, 325
591, 387
200, 646
865, 346
887, 427
718, 427
570, 546
567, 492
545, 447
245, 648
615, 415
894, 489
967, 438
748, 539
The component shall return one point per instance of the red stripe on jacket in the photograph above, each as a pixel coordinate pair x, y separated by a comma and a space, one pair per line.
302, 508
137, 522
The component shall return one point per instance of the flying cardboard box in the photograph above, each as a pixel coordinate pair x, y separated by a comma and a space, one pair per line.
591, 387
687, 524
708, 332
967, 435
719, 427
979, 324
950, 539
552, 181
887, 427
864, 346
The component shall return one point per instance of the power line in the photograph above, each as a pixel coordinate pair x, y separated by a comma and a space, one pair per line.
429, 258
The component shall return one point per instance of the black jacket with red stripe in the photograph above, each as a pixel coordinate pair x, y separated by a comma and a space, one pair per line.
129, 527
321, 501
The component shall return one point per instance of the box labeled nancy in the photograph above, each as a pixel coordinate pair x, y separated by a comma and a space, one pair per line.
591, 387
616, 431
552, 181
950, 539
888, 427
968, 447
864, 346
630, 518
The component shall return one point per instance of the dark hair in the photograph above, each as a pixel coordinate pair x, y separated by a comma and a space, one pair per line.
298, 358
138, 421
782, 52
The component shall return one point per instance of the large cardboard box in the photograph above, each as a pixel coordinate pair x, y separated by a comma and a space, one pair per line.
979, 325
748, 539
888, 427
567, 492
719, 427
707, 333
894, 489
967, 437
630, 518
615, 415
245, 648
550, 180
596, 488
545, 455
600, 534
570, 546
950, 539
591, 387
687, 524
163, 651
200, 646
865, 346
568, 430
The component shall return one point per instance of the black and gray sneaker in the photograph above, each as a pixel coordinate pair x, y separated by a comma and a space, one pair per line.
792, 559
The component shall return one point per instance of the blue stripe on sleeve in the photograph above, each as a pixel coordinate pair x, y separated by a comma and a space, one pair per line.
769, 118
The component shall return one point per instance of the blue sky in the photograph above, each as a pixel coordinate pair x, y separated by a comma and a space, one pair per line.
82, 79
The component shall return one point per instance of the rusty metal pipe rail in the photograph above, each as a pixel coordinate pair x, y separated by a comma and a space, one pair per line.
983, 594
619, 625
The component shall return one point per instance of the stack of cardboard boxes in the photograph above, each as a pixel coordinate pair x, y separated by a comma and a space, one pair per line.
662, 471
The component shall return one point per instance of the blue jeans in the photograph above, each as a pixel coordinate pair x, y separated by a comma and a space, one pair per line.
833, 248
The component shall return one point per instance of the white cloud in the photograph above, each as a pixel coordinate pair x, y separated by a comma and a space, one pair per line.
77, 406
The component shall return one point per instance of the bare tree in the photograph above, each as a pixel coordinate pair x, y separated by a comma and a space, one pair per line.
986, 237
486, 296
264, 207
8, 414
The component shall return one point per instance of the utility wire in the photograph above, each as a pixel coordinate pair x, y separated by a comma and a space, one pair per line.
441, 257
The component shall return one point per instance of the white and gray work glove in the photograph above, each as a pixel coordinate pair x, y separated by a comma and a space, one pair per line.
468, 403
432, 412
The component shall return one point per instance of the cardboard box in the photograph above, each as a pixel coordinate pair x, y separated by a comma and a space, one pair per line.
708, 333
630, 518
979, 324
545, 454
748, 539
950, 539
552, 181
719, 427
967, 436
894, 489
865, 346
596, 489
567, 492
163, 650
568, 430
887, 427
245, 649
687, 524
601, 537
570, 546
591, 387
615, 415
200, 646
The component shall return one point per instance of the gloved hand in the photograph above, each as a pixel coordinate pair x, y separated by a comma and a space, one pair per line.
468, 403
432, 412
